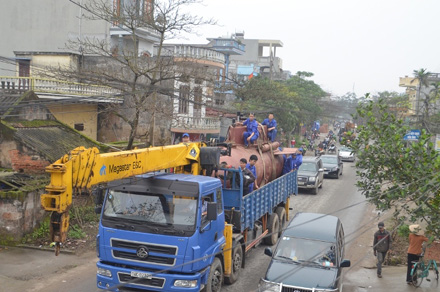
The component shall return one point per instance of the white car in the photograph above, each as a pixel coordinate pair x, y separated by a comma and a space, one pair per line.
346, 154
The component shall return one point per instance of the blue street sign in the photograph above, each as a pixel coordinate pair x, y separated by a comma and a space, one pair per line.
412, 135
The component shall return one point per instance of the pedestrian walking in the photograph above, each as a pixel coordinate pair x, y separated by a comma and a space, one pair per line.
416, 239
381, 245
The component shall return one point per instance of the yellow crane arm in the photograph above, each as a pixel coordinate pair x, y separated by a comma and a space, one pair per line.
82, 168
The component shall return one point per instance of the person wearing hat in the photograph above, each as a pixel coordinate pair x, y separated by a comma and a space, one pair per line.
416, 240
299, 159
185, 138
381, 245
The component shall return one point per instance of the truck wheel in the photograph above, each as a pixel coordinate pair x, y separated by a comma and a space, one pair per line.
273, 227
237, 262
281, 212
215, 278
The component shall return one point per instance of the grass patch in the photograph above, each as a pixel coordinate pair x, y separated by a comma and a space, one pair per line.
75, 232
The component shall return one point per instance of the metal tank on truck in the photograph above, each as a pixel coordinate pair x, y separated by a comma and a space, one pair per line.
269, 165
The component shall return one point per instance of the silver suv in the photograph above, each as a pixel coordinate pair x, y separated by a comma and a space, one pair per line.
311, 174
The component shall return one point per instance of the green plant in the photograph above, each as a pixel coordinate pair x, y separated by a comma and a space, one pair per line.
403, 231
75, 232
83, 214
41, 232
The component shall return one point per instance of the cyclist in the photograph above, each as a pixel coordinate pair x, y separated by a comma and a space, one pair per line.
416, 239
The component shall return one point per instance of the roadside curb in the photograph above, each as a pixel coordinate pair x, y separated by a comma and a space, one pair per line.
44, 249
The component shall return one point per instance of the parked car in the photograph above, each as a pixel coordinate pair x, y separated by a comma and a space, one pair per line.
311, 174
346, 154
333, 165
309, 255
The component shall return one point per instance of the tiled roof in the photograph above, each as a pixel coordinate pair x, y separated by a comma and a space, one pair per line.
52, 142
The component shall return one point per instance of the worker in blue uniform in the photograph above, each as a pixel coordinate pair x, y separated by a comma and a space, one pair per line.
251, 166
271, 124
299, 159
289, 161
251, 133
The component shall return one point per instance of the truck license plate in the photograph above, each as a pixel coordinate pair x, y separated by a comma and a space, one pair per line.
300, 183
141, 275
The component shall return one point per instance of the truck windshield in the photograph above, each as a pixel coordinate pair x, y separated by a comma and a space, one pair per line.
156, 209
306, 250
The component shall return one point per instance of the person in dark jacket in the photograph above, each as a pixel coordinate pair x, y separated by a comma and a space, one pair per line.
381, 245
251, 166
248, 176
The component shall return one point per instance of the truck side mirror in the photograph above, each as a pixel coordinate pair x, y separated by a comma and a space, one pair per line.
98, 197
211, 211
268, 251
98, 209
345, 263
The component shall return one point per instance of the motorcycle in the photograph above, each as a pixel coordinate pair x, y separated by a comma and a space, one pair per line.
319, 152
332, 148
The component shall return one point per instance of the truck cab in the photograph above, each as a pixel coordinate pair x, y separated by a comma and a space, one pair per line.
153, 227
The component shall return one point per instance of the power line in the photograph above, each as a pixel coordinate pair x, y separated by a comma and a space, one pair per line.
211, 255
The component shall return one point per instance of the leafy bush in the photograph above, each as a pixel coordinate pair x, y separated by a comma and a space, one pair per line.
403, 230
42, 232
75, 232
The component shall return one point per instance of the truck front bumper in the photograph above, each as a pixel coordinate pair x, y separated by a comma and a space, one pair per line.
121, 278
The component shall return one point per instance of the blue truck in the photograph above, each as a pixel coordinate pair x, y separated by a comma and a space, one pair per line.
167, 224
183, 232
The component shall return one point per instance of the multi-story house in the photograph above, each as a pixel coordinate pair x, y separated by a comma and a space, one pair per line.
257, 57
418, 93
198, 69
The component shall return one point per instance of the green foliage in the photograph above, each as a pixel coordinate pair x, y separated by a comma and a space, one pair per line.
42, 232
75, 232
403, 230
394, 173
83, 213
291, 101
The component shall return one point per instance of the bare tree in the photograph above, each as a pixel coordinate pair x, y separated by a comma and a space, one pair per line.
144, 78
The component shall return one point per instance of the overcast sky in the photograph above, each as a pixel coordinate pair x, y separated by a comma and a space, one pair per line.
348, 44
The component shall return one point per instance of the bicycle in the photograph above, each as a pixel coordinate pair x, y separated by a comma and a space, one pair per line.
420, 270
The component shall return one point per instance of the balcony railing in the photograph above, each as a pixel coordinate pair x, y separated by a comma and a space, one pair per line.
229, 43
51, 86
186, 51
192, 123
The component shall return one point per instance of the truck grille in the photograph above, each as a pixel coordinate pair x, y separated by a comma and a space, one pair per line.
131, 247
153, 282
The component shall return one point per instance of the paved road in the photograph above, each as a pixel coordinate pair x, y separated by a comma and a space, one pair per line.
35, 271
334, 198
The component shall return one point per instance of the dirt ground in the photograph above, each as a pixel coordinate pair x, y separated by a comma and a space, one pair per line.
77, 246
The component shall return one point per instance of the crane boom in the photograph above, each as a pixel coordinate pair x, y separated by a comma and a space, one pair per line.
83, 168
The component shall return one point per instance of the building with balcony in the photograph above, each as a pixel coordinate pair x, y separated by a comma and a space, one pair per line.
259, 57
49, 25
415, 97
197, 69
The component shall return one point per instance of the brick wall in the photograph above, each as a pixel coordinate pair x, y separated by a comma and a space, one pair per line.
19, 214
22, 162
